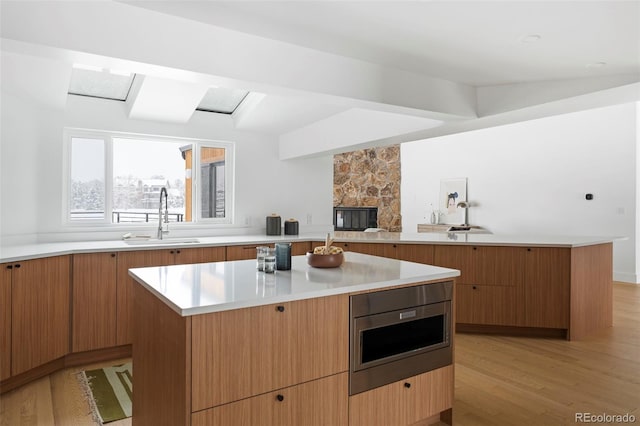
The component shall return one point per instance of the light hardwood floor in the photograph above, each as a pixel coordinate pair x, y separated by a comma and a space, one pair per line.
499, 380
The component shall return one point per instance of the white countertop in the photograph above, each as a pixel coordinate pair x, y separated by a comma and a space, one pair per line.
15, 253
221, 286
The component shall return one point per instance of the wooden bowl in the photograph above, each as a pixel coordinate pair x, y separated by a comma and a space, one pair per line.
325, 260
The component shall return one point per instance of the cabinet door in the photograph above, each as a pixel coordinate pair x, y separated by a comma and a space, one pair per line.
185, 256
479, 265
124, 305
242, 252
500, 266
456, 257
94, 301
548, 280
317, 403
420, 253
404, 402
268, 347
40, 312
300, 248
374, 249
485, 304
5, 320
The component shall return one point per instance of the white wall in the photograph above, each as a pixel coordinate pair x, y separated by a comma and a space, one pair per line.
531, 178
32, 151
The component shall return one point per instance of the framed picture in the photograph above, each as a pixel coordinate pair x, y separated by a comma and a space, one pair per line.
452, 191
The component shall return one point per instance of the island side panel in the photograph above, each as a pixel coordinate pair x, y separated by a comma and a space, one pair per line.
161, 362
591, 289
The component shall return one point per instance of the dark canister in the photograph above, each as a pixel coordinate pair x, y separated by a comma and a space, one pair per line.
283, 256
290, 227
274, 225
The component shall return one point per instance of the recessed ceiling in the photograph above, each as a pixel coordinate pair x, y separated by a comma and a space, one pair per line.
473, 42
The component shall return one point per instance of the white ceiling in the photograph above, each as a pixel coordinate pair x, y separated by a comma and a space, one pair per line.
416, 69
473, 42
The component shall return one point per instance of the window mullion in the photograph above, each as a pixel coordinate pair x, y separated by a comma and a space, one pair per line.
108, 184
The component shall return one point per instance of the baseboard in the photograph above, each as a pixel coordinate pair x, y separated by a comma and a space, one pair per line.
511, 330
69, 360
28, 376
626, 277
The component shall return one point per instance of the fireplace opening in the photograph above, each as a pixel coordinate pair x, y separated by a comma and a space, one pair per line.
354, 218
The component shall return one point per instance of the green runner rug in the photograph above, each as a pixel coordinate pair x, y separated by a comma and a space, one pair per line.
109, 390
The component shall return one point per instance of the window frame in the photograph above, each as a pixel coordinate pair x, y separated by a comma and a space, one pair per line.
108, 137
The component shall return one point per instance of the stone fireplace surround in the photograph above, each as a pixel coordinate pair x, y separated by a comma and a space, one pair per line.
370, 178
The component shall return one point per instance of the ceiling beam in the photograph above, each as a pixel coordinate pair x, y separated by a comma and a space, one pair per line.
196, 50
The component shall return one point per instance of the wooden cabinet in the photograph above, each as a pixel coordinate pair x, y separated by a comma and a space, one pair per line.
404, 402
548, 281
94, 301
143, 258
248, 251
374, 249
185, 256
490, 289
300, 248
319, 402
243, 252
124, 309
514, 286
483, 265
420, 253
40, 294
268, 347
5, 321
485, 304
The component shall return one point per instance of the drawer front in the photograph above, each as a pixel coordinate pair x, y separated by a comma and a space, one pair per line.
242, 252
496, 305
317, 403
268, 347
404, 402
478, 265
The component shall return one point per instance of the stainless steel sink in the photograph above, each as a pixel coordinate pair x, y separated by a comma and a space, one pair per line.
164, 241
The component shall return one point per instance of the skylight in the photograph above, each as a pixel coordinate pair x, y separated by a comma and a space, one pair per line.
222, 100
100, 83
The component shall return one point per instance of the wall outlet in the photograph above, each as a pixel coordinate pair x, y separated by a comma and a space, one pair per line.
620, 210
309, 218
247, 220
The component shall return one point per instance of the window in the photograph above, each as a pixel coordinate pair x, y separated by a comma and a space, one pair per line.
100, 83
222, 100
117, 179
87, 179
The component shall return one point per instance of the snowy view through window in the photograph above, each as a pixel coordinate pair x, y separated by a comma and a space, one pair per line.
140, 168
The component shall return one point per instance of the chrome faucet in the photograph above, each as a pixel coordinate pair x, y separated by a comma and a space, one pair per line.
161, 230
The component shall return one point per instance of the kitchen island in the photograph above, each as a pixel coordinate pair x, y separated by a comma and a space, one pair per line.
221, 343
525, 285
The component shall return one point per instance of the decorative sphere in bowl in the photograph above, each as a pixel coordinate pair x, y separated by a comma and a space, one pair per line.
325, 260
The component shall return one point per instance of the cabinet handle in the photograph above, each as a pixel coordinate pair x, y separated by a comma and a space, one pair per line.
474, 287
528, 248
475, 248
113, 255
178, 251
407, 385
280, 308
280, 397
395, 246
172, 252
17, 265
9, 266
